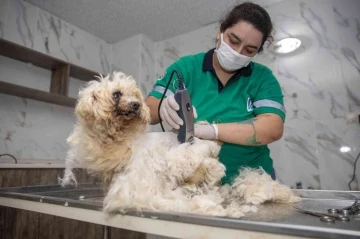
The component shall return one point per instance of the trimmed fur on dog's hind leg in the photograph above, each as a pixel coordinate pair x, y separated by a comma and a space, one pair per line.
70, 163
255, 186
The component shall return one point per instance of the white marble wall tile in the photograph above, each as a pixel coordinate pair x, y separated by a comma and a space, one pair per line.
51, 127
336, 167
85, 50
319, 19
345, 10
34, 130
3, 15
301, 150
307, 83
280, 163
351, 74
69, 43
312, 73
12, 118
348, 24
147, 64
127, 56
21, 24
49, 35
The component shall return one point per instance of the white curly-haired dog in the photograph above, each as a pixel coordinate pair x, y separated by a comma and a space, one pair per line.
142, 170
110, 113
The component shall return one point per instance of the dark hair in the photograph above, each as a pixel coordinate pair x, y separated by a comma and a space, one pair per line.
253, 14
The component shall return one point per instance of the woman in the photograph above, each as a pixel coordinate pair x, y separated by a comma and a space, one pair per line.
241, 99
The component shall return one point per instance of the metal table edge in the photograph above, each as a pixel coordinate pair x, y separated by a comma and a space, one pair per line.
223, 222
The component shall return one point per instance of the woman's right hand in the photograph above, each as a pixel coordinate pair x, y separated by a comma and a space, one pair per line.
168, 113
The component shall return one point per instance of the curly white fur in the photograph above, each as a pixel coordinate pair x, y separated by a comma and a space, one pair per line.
152, 170
156, 177
254, 186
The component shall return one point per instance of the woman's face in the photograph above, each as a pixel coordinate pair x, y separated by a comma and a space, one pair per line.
243, 37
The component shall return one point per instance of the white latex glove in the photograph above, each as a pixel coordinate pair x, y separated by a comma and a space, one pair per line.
168, 112
206, 131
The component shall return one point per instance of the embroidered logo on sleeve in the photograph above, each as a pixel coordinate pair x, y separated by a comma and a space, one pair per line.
249, 105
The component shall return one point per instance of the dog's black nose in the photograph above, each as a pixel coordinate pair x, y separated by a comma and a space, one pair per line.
135, 105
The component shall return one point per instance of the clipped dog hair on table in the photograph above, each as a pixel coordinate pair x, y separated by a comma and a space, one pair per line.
144, 170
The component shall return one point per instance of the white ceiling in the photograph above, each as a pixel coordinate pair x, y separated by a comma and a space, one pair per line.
116, 20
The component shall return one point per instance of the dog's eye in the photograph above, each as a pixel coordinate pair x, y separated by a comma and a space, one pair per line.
116, 95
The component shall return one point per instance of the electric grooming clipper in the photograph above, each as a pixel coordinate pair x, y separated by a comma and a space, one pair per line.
182, 97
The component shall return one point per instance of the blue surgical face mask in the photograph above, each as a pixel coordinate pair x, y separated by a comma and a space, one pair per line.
229, 59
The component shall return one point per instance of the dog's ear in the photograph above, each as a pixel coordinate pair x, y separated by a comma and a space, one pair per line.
85, 107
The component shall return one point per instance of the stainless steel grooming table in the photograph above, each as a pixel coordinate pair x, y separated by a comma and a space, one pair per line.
271, 221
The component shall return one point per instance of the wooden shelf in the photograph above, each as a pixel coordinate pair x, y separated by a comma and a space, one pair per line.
22, 91
61, 72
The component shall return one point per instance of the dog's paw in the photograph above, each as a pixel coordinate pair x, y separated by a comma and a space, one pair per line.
212, 148
214, 171
68, 179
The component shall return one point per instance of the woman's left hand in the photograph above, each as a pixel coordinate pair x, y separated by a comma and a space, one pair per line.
205, 131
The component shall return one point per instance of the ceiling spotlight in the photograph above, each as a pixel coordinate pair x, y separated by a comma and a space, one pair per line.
345, 149
287, 45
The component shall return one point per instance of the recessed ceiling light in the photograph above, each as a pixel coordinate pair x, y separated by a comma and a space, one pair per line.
345, 149
287, 45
